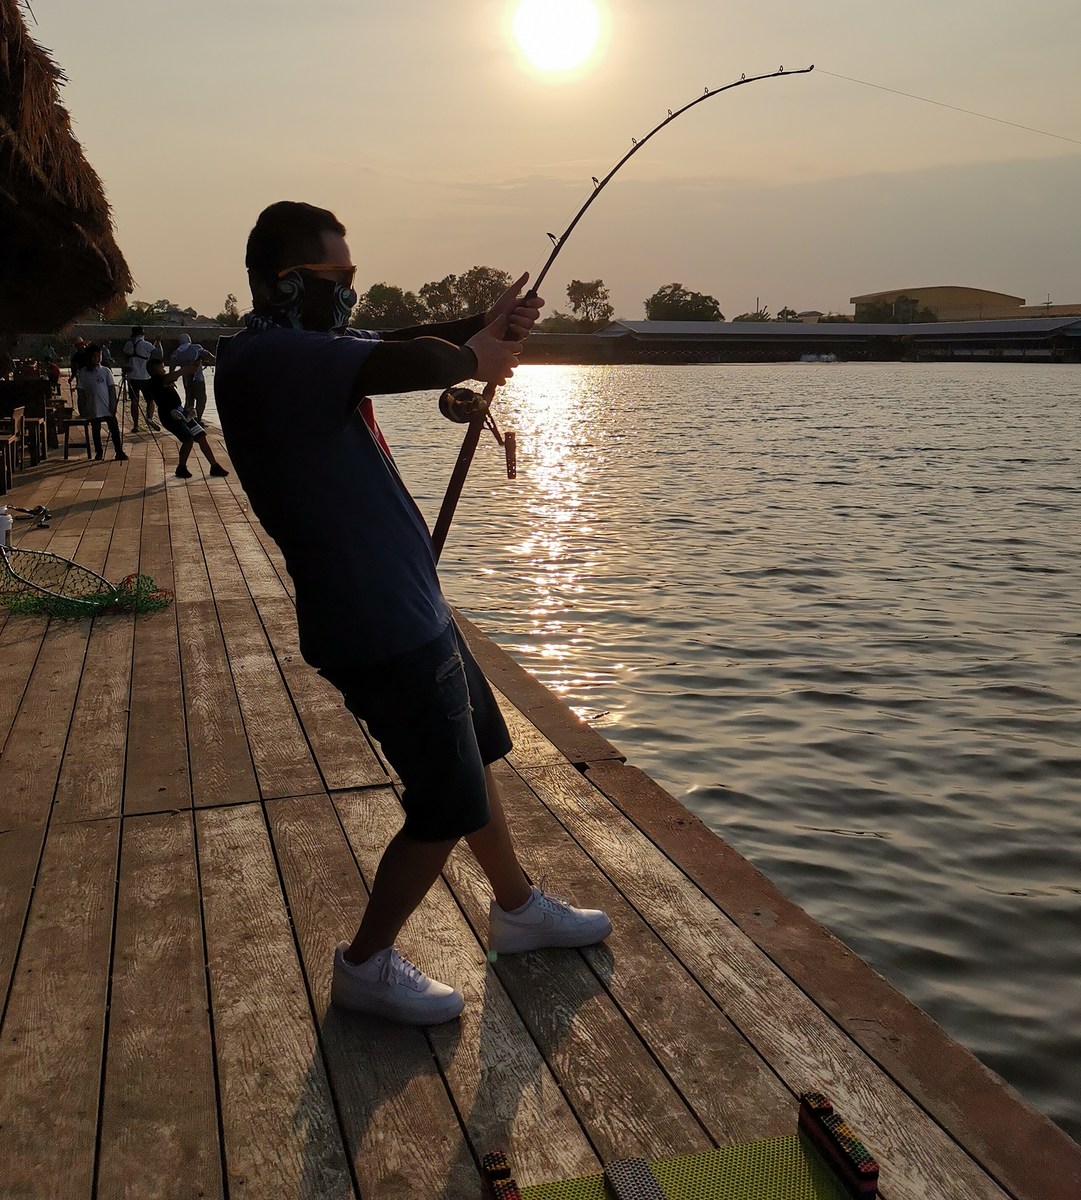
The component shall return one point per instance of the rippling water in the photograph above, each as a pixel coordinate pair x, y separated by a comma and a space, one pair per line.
835, 610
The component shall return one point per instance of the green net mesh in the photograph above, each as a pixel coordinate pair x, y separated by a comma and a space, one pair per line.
784, 1168
37, 581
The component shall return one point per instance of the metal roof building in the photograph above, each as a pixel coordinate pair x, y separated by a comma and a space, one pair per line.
1056, 339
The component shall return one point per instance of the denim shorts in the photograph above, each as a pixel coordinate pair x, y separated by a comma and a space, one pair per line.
435, 718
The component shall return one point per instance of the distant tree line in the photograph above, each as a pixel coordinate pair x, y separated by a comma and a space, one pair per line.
387, 306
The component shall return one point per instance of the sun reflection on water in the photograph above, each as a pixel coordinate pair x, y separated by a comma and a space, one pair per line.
552, 409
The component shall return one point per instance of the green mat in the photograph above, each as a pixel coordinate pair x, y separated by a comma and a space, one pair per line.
784, 1168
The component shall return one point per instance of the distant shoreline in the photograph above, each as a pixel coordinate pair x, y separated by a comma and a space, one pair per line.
701, 343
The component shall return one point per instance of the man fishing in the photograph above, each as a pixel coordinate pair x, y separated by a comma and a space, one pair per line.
293, 394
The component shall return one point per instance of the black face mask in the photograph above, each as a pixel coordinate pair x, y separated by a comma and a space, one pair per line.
304, 301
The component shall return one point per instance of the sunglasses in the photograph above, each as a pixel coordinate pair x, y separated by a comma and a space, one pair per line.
343, 274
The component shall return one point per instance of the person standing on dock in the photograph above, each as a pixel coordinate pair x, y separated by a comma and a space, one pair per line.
97, 399
137, 352
191, 354
292, 392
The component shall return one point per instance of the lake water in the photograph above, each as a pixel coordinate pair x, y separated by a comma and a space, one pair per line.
836, 611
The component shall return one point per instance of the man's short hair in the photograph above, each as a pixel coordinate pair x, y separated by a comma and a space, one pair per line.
136, 331
287, 233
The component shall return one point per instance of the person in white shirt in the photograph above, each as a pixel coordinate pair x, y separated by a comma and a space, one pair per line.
97, 400
186, 354
137, 352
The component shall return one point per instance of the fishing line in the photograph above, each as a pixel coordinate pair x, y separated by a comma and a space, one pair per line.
955, 108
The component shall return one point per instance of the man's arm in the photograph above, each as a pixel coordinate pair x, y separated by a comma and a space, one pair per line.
420, 364
457, 332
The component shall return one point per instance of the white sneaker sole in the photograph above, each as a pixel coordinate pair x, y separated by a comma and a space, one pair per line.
515, 941
425, 1012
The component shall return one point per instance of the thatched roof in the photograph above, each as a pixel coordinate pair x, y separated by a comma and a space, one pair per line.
58, 256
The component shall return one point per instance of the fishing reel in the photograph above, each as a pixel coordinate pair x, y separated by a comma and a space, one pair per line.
463, 406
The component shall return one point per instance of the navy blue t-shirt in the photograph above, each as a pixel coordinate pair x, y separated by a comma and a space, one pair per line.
328, 493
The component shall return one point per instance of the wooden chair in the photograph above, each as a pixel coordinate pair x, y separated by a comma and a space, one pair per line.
74, 421
35, 419
7, 460
13, 421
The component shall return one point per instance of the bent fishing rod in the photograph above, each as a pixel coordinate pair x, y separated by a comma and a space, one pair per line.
469, 407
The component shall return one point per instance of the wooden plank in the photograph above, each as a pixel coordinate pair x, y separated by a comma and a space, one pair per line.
51, 1039
1026, 1152
20, 853
159, 1123
190, 579
20, 644
157, 775
401, 1129
222, 770
91, 781
283, 759
616, 1089
34, 750
281, 1134
341, 748
786, 1026
578, 741
220, 759
732, 1091
504, 1090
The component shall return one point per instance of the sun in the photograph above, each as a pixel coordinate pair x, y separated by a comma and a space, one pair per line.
557, 35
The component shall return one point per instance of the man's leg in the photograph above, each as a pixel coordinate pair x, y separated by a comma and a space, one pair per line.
493, 849
406, 873
208, 451
95, 428
114, 433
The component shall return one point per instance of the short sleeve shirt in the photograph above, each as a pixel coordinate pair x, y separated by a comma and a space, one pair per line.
140, 350
98, 389
324, 486
184, 356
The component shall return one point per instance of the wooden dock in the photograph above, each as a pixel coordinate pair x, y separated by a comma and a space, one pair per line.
189, 821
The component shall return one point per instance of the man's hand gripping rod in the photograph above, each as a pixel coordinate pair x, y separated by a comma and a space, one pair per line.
462, 404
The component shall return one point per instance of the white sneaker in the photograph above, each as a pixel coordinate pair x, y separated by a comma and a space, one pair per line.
388, 985
544, 922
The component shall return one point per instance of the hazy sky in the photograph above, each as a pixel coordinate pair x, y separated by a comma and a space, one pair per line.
440, 148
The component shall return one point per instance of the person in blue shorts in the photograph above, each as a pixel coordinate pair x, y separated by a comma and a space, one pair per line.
293, 393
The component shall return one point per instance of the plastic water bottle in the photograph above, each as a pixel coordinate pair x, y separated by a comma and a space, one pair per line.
5, 525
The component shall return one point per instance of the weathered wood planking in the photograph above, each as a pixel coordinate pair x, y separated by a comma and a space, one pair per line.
281, 1131
400, 1127
724, 1080
784, 1024
51, 1041
159, 1123
157, 777
219, 755
503, 1088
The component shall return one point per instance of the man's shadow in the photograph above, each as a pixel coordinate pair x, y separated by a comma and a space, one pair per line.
417, 1109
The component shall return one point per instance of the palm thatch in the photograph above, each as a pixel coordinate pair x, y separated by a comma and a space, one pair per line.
58, 256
